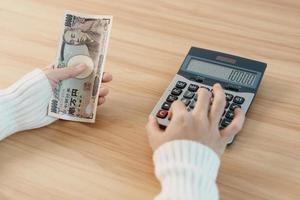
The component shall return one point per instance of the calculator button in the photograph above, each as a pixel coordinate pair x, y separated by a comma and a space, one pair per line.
180, 84
186, 101
188, 94
196, 97
225, 123
229, 97
192, 104
171, 98
162, 114
229, 115
227, 104
238, 100
199, 79
224, 113
176, 91
166, 106
193, 87
234, 106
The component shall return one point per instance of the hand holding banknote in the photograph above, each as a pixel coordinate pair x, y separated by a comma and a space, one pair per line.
84, 39
56, 75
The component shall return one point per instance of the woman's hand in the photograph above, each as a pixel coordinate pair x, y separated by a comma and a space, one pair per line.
200, 125
56, 75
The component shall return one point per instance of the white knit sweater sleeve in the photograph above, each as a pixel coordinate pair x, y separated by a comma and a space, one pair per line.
187, 170
24, 104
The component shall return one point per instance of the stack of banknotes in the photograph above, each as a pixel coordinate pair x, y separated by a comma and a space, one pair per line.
84, 39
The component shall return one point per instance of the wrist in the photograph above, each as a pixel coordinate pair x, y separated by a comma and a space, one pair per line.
183, 165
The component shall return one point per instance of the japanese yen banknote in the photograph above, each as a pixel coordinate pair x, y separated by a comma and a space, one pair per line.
84, 39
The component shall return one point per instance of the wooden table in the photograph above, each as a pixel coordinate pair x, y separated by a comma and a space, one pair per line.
111, 159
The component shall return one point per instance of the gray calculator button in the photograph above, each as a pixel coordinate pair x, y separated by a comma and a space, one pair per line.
229, 97
186, 101
188, 94
196, 97
192, 104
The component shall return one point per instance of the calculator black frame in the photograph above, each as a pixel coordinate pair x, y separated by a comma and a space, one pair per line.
213, 57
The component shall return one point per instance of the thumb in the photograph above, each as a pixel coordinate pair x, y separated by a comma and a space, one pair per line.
152, 126
68, 72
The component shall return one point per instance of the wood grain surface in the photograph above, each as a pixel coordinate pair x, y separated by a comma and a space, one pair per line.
111, 159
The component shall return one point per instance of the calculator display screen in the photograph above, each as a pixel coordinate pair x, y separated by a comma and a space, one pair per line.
236, 76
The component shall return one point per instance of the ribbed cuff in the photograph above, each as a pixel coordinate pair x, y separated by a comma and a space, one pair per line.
187, 170
24, 104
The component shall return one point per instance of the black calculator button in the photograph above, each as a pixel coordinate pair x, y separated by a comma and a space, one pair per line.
229, 97
188, 94
199, 79
192, 104
229, 115
186, 101
193, 87
227, 104
171, 98
238, 100
162, 114
180, 84
166, 106
225, 122
196, 97
224, 113
176, 91
234, 106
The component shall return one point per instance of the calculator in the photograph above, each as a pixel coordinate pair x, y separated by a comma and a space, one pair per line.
240, 77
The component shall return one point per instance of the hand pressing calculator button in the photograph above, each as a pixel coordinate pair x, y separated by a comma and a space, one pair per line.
185, 101
241, 74
234, 106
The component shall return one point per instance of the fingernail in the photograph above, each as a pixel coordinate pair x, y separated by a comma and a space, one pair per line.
80, 66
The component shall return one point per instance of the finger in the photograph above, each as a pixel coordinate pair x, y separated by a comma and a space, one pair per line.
235, 126
68, 72
218, 104
177, 109
103, 92
203, 102
101, 101
152, 127
107, 77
